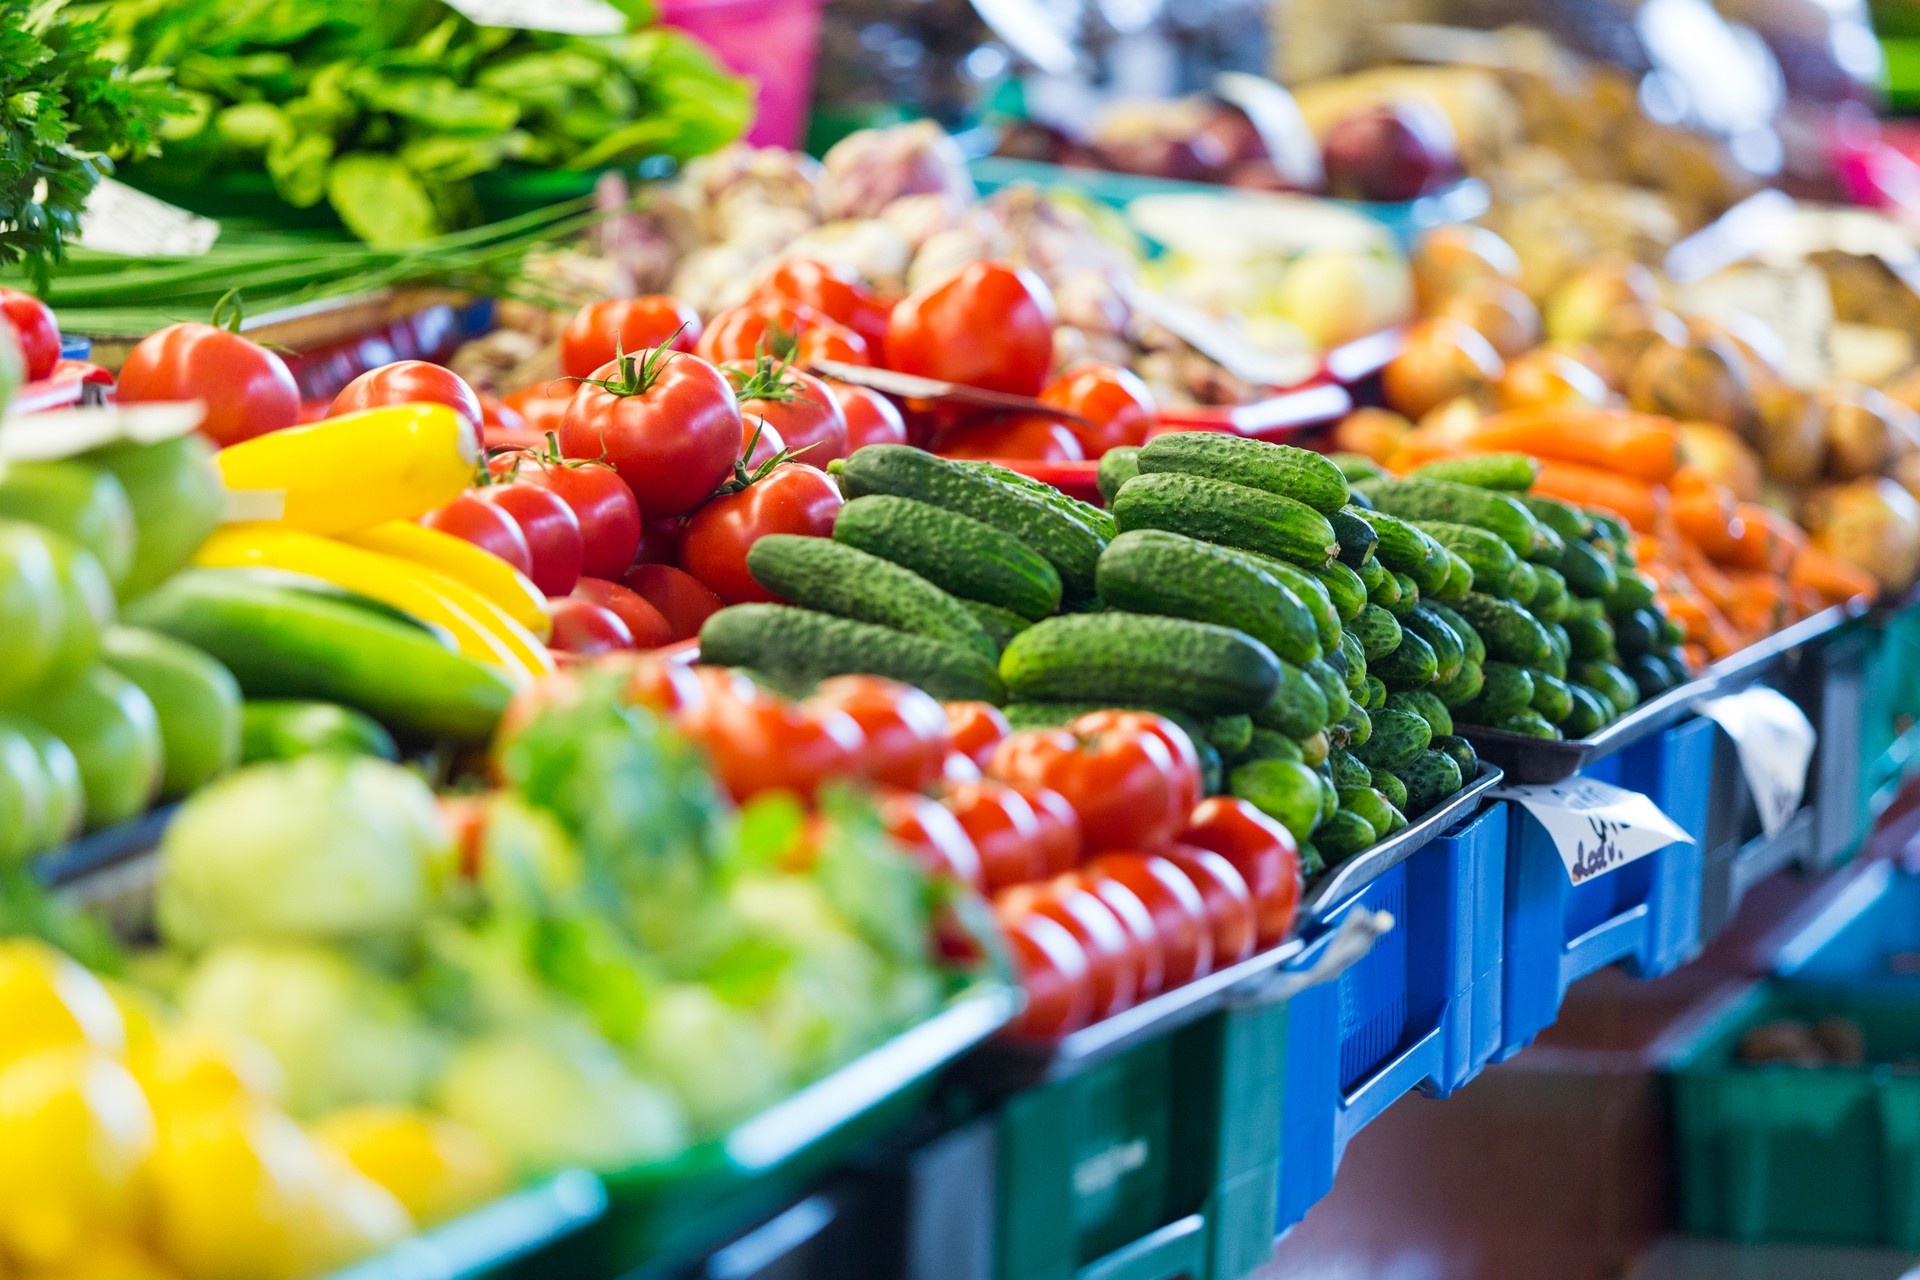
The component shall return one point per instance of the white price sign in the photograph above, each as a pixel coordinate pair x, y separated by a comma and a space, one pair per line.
1774, 741
568, 17
1595, 826
119, 219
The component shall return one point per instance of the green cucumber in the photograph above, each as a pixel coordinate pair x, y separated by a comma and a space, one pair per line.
1588, 573
1475, 647
1217, 511
1529, 723
1587, 712
803, 645
1196, 666
1285, 790
1392, 788
1377, 630
833, 577
1344, 588
1148, 571
1636, 632
1550, 601
1343, 835
1572, 524
1356, 537
1522, 583
960, 555
1548, 547
1402, 546
1001, 625
1095, 518
1460, 751
1612, 530
1460, 504
1347, 771
1552, 697
1270, 744
1430, 778
1117, 466
1411, 665
1230, 734
1069, 544
1463, 688
1374, 807
1297, 706
1508, 689
1310, 592
1589, 634
1385, 589
1375, 695
281, 729
1397, 739
1409, 598
1358, 724
1508, 471
1332, 685
197, 699
1560, 648
1510, 633
1427, 705
1354, 655
1299, 474
1487, 555
1631, 590
1449, 650
1610, 682
1356, 467
1459, 579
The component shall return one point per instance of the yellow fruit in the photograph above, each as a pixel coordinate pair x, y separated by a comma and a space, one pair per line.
75, 1136
241, 1193
360, 1216
47, 1000
192, 1067
438, 1169
141, 1017
109, 1258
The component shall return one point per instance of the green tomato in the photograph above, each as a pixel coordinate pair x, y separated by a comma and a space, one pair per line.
24, 788
114, 732
198, 701
86, 599
66, 797
177, 500
84, 503
32, 609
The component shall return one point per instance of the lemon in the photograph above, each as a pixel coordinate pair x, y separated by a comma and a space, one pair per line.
361, 1217
75, 1137
190, 1067
436, 1167
241, 1193
141, 1017
48, 1000
108, 1258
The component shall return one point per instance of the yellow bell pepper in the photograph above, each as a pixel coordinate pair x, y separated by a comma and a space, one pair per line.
479, 629
462, 561
360, 469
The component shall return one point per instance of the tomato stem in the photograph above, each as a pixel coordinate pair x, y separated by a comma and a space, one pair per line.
770, 380
636, 377
229, 313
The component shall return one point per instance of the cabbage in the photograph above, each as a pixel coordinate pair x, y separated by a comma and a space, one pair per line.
556, 1095
711, 1054
341, 1034
325, 847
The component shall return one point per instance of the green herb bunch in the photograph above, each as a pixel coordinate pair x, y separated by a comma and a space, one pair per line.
66, 113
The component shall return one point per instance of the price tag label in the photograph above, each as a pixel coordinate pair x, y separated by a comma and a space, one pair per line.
1774, 740
568, 17
119, 219
1595, 826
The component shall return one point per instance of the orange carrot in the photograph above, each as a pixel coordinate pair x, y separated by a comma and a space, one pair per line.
1767, 540
1705, 517
1639, 504
1630, 444
1832, 577
1761, 603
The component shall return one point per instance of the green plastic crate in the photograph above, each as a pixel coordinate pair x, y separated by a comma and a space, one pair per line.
1158, 1159
1817, 1155
1890, 722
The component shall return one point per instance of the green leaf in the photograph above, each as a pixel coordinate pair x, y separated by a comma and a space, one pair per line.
381, 200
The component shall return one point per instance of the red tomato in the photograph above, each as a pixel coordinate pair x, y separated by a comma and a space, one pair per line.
608, 515
39, 333
921, 824
670, 688
1113, 399
827, 290
1186, 758
986, 325
542, 414
977, 728
797, 406
601, 332
957, 768
1179, 912
784, 330
677, 594
906, 729
409, 382
760, 743
1120, 778
792, 498
1133, 916
495, 412
1004, 830
552, 532
871, 417
1261, 850
248, 390
1229, 904
1053, 970
1113, 962
648, 628
659, 542
484, 525
760, 443
1030, 436
585, 628
1059, 827
667, 423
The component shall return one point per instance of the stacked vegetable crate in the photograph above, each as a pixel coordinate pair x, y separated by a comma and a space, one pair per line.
1823, 1152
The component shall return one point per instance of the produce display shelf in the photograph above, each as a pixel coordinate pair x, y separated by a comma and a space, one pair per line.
480, 1243
662, 1217
1345, 879
1420, 1010
1864, 937
1528, 759
99, 850
1645, 913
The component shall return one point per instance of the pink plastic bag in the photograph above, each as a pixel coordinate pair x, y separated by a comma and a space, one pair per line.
774, 42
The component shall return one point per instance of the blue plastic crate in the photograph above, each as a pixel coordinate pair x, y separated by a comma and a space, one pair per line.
1865, 938
1421, 1010
1645, 914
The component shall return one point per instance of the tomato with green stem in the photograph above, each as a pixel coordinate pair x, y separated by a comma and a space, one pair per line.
604, 331
608, 512
667, 422
795, 405
247, 389
781, 497
784, 330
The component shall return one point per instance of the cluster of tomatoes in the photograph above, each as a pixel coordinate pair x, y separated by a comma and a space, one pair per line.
1113, 880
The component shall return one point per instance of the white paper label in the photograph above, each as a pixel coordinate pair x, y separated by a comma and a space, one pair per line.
1595, 826
62, 433
1774, 740
119, 219
569, 17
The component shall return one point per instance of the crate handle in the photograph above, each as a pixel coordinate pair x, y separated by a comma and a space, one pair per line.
1352, 939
